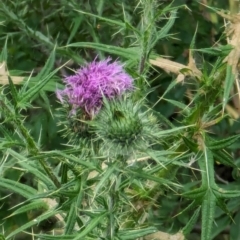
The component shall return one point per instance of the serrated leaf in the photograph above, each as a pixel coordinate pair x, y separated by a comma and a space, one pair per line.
220, 225
178, 104
17, 187
128, 53
50, 237
166, 28
207, 168
206, 165
90, 226
190, 144
38, 174
4, 53
71, 218
192, 45
191, 223
196, 193
13, 90
220, 144
228, 84
68, 157
208, 210
223, 50
6, 133
220, 203
47, 67
136, 233
36, 205
23, 161
76, 22
117, 23
162, 118
33, 222
145, 175
222, 193
173, 130
73, 213
169, 88
28, 95
191, 206
104, 177
224, 158
235, 229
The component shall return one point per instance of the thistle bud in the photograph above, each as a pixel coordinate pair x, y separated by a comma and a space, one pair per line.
123, 128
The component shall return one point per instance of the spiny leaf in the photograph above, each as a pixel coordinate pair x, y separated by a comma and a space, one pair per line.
13, 91
23, 26
207, 168
220, 225
128, 53
76, 22
222, 193
171, 85
224, 158
37, 173
220, 144
191, 206
70, 157
27, 96
17, 187
191, 223
104, 177
36, 205
47, 67
4, 53
190, 144
135, 233
209, 199
196, 193
90, 226
192, 45
50, 237
71, 218
220, 202
164, 31
33, 222
118, 23
173, 130
24, 162
228, 84
7, 135
208, 210
222, 51
73, 213
235, 230
146, 175
178, 104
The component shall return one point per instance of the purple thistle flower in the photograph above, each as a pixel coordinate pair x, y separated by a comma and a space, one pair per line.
87, 87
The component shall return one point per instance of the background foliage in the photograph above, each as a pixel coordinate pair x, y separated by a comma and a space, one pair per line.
43, 41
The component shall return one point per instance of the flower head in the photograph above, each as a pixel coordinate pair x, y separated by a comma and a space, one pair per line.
123, 128
93, 82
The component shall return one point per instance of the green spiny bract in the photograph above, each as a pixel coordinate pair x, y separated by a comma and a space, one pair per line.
75, 126
123, 128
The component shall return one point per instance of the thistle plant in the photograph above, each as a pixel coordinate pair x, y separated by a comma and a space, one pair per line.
127, 145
